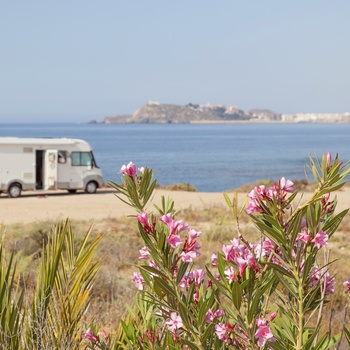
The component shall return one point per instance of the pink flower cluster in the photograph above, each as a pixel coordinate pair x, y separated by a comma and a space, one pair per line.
195, 276
130, 170
323, 279
320, 239
138, 280
210, 316
241, 255
190, 245
95, 339
259, 194
263, 334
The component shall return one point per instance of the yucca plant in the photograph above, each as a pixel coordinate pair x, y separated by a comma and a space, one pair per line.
52, 317
11, 302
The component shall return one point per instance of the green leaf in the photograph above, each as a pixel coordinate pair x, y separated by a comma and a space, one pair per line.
288, 283
191, 345
331, 226
167, 289
236, 294
277, 346
347, 335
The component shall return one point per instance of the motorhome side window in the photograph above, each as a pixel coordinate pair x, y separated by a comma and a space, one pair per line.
81, 159
62, 157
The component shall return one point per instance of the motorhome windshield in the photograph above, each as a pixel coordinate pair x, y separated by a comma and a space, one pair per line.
93, 160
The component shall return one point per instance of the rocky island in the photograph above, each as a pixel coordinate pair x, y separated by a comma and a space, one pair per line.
155, 112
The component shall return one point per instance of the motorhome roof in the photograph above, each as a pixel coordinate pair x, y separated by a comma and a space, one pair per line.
39, 141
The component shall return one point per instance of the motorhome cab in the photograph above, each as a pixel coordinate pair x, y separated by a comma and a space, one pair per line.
47, 164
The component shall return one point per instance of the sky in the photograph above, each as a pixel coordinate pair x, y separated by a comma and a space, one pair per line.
79, 60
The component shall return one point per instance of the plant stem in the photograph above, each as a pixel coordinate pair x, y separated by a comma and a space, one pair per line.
300, 315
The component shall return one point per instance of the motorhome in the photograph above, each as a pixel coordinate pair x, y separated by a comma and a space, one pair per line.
47, 164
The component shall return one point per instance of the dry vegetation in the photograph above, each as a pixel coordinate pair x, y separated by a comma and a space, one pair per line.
119, 249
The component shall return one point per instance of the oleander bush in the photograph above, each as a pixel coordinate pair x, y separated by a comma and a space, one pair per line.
264, 295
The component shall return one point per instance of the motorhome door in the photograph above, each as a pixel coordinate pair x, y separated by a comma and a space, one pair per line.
50, 182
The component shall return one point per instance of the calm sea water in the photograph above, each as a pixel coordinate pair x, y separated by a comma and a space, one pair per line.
212, 157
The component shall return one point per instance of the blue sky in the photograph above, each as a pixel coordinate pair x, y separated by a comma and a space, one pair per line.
79, 60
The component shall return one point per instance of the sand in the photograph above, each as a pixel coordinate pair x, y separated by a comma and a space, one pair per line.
53, 206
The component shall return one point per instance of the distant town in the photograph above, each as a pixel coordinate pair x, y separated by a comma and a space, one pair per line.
155, 112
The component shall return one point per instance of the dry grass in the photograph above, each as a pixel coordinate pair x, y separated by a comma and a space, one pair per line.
119, 249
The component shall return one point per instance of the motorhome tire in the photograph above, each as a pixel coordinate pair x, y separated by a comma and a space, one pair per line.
15, 190
91, 187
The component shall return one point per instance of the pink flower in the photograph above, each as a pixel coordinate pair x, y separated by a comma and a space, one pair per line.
129, 169
286, 185
188, 256
186, 280
230, 272
174, 322
153, 264
273, 316
315, 276
267, 247
322, 278
89, 335
304, 236
221, 331
241, 263
193, 234
138, 280
257, 194
263, 332
173, 224
330, 281
346, 284
144, 253
198, 276
174, 240
144, 221
167, 219
214, 259
320, 239
228, 252
329, 158
210, 316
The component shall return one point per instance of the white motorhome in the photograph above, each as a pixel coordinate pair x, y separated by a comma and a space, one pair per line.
47, 164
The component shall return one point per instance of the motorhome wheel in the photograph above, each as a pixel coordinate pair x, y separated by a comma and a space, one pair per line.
15, 190
91, 187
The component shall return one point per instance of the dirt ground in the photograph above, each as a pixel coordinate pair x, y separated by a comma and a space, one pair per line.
53, 206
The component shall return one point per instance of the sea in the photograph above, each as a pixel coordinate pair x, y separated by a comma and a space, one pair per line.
210, 157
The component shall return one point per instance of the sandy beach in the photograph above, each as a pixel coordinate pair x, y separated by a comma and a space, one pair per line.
53, 206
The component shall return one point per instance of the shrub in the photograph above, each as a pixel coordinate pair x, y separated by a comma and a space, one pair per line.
267, 295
